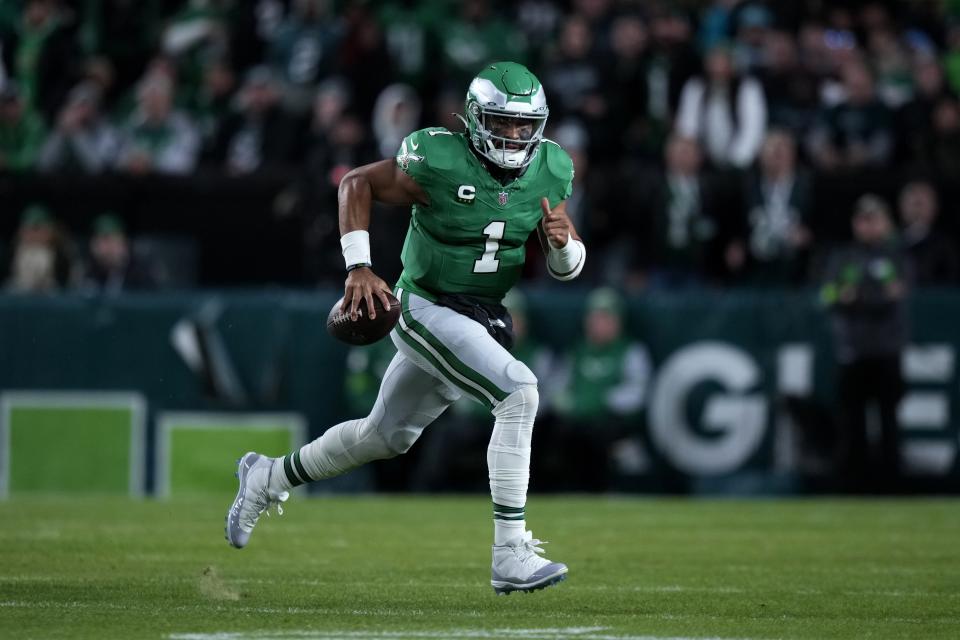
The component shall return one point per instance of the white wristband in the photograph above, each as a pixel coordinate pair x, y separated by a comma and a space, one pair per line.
356, 248
567, 263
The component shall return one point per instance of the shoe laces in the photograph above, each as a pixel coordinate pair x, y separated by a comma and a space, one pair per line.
282, 497
529, 548
263, 503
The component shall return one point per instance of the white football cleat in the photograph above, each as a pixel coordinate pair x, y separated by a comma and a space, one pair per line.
253, 498
517, 566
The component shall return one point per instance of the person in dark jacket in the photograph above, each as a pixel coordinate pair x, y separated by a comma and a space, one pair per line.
932, 253
113, 266
41, 56
778, 198
866, 289
260, 136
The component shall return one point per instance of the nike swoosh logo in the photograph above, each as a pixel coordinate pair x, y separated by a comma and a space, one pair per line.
413, 145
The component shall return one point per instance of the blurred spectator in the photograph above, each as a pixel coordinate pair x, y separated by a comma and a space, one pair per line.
409, 30
538, 20
476, 37
122, 34
607, 376
99, 73
753, 27
856, 133
816, 47
212, 104
40, 56
395, 114
195, 34
304, 49
447, 105
671, 60
598, 14
625, 84
933, 255
915, 118
21, 131
42, 259
951, 60
260, 136
725, 112
940, 150
891, 65
113, 266
364, 59
716, 23
778, 202
866, 289
83, 140
252, 27
573, 76
329, 104
157, 138
159, 67
792, 90
675, 209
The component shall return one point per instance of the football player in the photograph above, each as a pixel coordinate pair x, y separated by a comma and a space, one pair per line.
475, 198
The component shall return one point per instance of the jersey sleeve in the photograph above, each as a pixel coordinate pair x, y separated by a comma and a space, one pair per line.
426, 155
411, 159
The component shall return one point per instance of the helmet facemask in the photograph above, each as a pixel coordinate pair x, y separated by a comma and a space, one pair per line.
507, 139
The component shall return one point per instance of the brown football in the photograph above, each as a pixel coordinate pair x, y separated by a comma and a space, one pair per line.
363, 330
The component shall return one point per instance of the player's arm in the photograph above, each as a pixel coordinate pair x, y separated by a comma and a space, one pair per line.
384, 182
565, 251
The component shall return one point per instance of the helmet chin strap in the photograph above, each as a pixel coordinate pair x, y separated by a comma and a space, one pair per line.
508, 159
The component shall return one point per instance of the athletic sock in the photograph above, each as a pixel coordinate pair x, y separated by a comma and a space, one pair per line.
508, 523
288, 472
341, 448
508, 461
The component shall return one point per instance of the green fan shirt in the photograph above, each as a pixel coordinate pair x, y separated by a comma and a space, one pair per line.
470, 239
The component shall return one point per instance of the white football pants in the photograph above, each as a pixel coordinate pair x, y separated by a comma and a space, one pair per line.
441, 355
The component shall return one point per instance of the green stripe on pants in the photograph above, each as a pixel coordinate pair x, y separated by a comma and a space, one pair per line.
420, 349
448, 356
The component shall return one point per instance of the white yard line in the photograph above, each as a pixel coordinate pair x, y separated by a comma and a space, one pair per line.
566, 633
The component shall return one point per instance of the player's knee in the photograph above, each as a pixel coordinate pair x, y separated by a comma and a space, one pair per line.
524, 401
520, 375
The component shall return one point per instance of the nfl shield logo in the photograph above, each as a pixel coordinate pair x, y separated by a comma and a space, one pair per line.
503, 198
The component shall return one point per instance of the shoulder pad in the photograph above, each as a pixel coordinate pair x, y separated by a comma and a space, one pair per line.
432, 157
558, 161
439, 148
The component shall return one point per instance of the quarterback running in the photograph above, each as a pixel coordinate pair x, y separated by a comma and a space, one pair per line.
475, 198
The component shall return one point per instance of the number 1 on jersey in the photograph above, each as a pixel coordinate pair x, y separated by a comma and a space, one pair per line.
488, 262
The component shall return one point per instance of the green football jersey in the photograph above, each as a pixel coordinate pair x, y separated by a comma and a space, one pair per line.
470, 239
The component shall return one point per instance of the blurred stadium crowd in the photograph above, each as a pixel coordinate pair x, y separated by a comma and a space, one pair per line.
717, 142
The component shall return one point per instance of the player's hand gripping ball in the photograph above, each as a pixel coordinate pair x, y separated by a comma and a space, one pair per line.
363, 330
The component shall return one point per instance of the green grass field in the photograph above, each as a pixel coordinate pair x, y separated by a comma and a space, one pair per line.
374, 567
